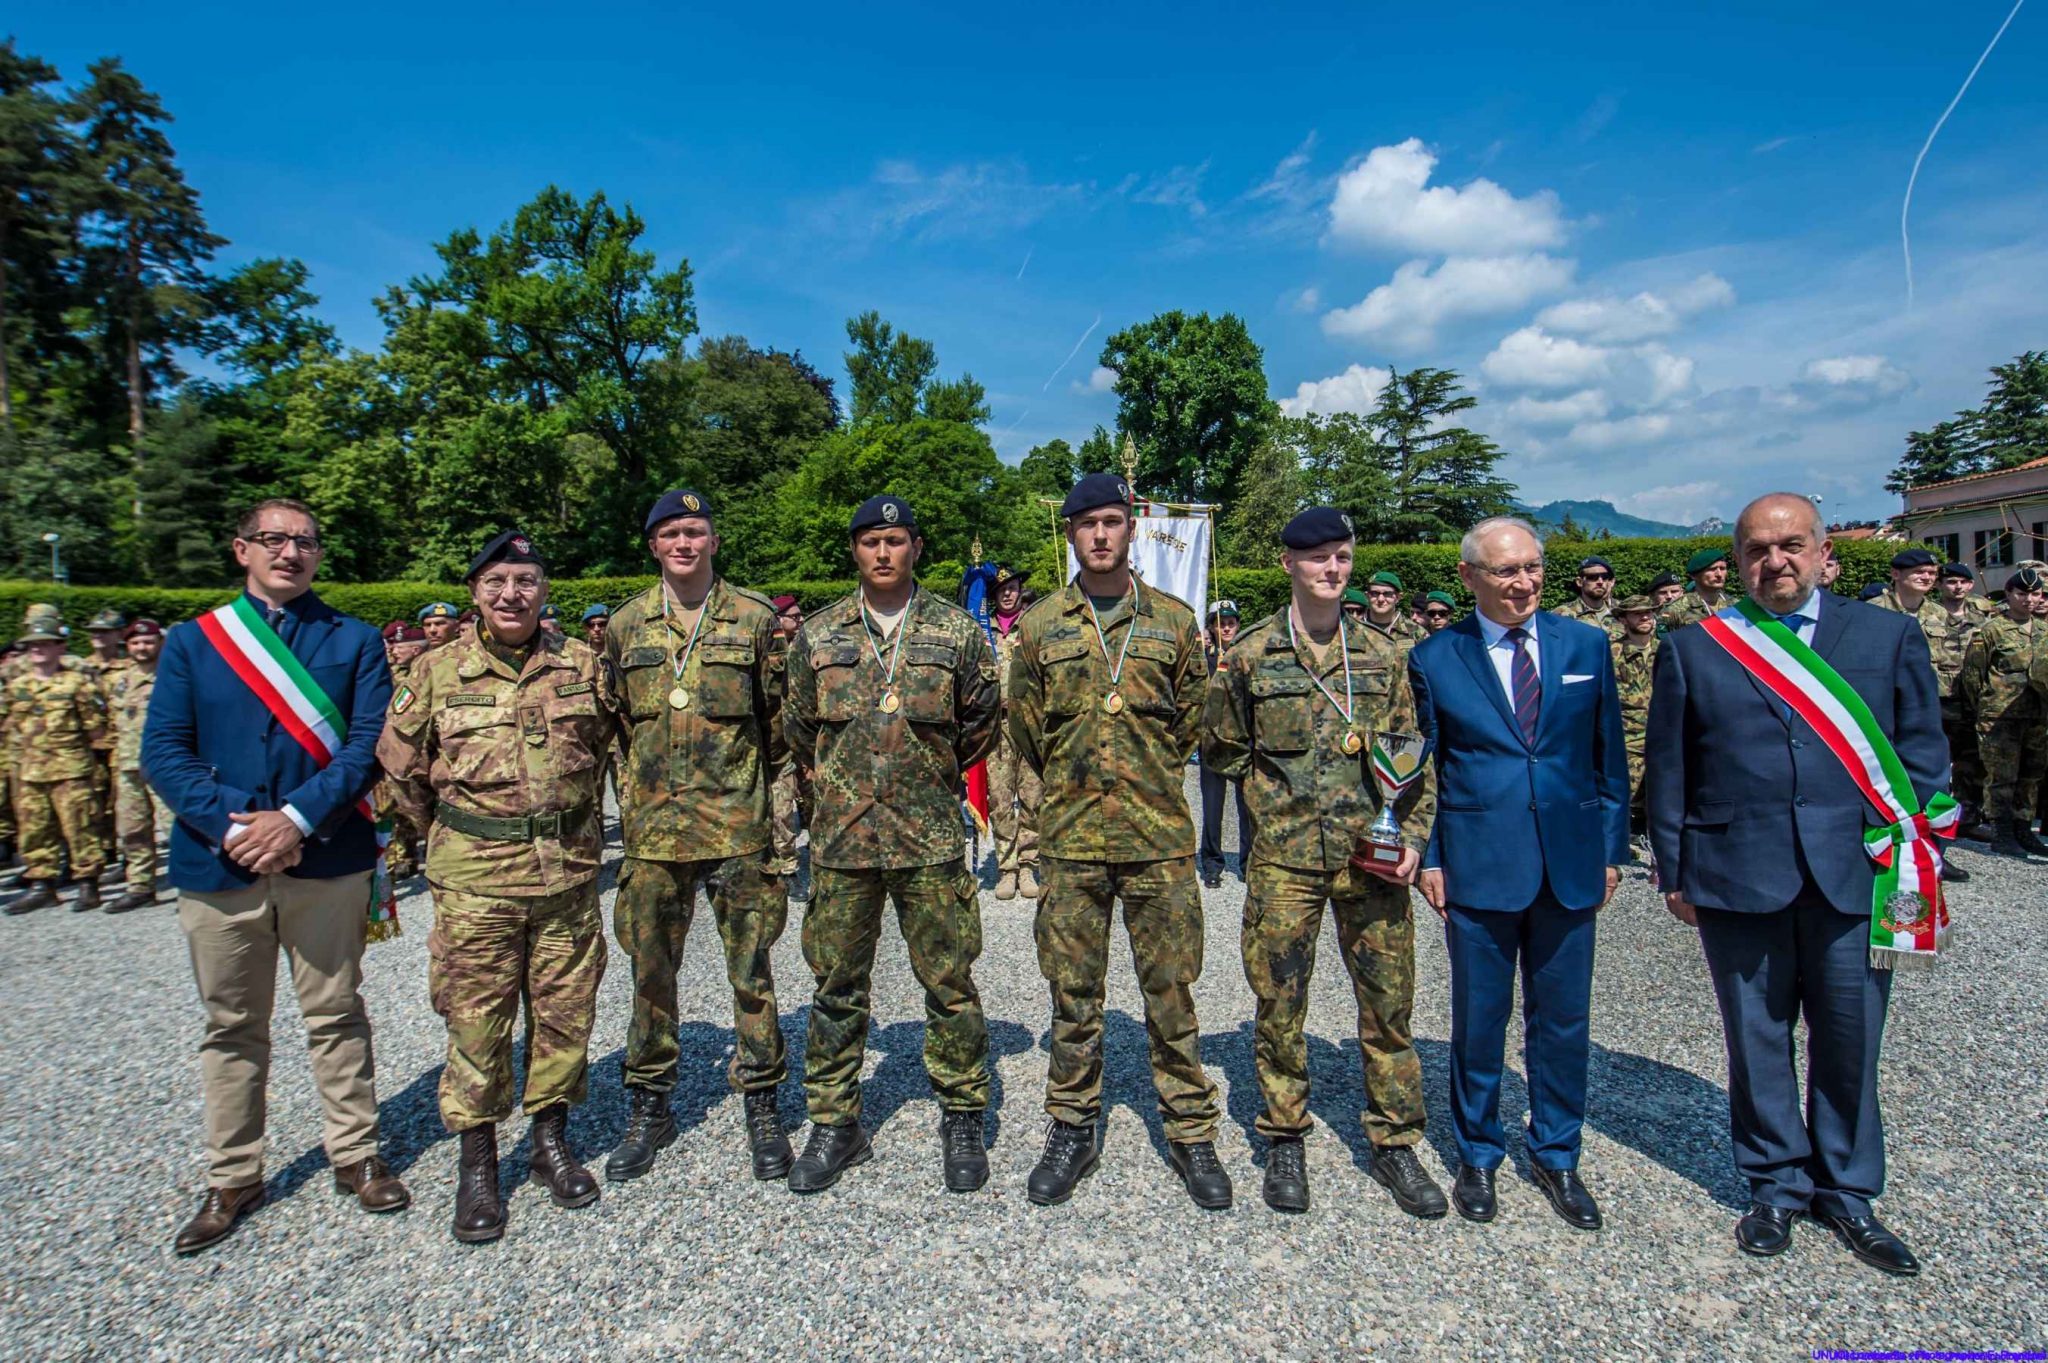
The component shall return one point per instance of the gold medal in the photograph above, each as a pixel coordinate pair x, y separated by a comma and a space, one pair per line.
679, 699
1352, 743
1114, 702
891, 703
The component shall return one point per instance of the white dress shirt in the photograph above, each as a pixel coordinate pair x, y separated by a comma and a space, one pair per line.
1500, 651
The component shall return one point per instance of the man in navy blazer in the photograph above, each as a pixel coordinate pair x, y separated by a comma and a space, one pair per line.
1531, 831
269, 852
1758, 831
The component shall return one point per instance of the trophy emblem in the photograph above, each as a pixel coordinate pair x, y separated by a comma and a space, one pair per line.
1396, 761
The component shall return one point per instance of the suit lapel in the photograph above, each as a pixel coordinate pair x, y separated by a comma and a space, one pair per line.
1828, 628
1549, 669
1472, 644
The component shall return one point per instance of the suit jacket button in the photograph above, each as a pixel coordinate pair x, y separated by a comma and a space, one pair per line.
1532, 804
1801, 802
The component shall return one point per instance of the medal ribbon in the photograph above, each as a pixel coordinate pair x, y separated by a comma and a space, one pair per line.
895, 649
1350, 705
1116, 669
681, 664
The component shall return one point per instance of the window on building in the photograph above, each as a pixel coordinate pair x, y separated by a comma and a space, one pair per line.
1948, 547
1994, 548
2040, 539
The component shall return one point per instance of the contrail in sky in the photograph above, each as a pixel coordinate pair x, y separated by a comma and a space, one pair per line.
1072, 353
1027, 261
1905, 238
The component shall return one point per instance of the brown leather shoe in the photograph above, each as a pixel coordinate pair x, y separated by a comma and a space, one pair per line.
217, 1216
374, 1185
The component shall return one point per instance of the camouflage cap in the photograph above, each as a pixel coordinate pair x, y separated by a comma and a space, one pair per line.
107, 620
1639, 602
39, 632
42, 610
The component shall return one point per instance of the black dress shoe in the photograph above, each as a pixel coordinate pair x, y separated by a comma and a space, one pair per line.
830, 1152
1868, 1240
1953, 874
1765, 1230
1202, 1172
1070, 1155
1286, 1187
1472, 1193
650, 1128
1568, 1197
1396, 1169
765, 1137
963, 1146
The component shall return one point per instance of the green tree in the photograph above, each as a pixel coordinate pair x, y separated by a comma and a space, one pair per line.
37, 161
1273, 486
1049, 470
1934, 455
2011, 427
1441, 475
1192, 393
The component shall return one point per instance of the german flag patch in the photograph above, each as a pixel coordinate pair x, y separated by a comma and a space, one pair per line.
402, 699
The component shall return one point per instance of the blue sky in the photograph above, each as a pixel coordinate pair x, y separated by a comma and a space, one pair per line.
1661, 241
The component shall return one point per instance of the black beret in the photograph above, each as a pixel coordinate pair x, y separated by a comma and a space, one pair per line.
1872, 592
1663, 580
1961, 570
1097, 489
1317, 525
1594, 561
681, 502
884, 510
2026, 579
511, 547
1913, 558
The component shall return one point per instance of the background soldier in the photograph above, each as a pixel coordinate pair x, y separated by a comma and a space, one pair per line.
1665, 588
128, 694
2034, 755
438, 622
1963, 614
1014, 791
1354, 605
1635, 657
497, 743
1912, 593
108, 660
1595, 602
1999, 686
1708, 570
893, 694
789, 798
55, 723
1274, 718
1216, 787
696, 661
1383, 612
1106, 708
1438, 610
597, 617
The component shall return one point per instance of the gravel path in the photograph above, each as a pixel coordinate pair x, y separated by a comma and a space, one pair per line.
99, 1144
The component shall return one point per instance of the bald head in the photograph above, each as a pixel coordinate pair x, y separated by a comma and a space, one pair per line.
1500, 561
1781, 545
1779, 508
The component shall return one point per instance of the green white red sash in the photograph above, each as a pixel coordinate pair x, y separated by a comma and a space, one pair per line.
252, 650
1908, 916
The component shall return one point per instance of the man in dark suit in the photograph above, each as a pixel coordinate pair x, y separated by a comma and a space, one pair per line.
1758, 830
269, 852
1531, 830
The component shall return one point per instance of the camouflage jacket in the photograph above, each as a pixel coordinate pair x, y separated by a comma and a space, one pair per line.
127, 692
1266, 723
1604, 617
2003, 672
55, 724
886, 784
1633, 666
1006, 650
695, 781
1402, 631
1691, 608
105, 670
1113, 782
1946, 640
468, 732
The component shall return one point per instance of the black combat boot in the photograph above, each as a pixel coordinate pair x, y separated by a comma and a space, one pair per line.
479, 1211
1071, 1154
650, 1129
2004, 843
2030, 842
1198, 1167
1286, 1188
1395, 1168
39, 895
964, 1147
765, 1136
6, 853
88, 899
133, 900
830, 1152
554, 1168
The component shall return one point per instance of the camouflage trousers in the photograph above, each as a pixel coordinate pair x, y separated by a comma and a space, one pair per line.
1283, 917
6, 804
103, 823
789, 801
2026, 797
657, 900
1163, 916
56, 818
2001, 748
1014, 791
135, 825
1638, 812
938, 909
484, 955
1968, 781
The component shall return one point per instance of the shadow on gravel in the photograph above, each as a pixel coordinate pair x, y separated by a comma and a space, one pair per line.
1126, 1071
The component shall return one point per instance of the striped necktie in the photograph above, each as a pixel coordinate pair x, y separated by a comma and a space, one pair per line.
1528, 687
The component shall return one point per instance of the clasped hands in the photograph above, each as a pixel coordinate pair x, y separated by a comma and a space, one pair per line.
265, 842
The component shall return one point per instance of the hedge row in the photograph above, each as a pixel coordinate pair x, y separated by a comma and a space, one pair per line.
1257, 591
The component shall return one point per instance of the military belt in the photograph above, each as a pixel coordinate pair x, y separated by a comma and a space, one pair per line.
523, 829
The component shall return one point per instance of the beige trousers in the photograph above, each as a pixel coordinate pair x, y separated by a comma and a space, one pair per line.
234, 936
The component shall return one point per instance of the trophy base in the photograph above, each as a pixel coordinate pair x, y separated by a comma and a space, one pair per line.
1377, 857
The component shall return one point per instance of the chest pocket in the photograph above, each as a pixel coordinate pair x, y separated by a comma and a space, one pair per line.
725, 676
926, 681
837, 669
575, 729
1068, 683
1372, 691
1148, 673
479, 743
646, 675
1283, 719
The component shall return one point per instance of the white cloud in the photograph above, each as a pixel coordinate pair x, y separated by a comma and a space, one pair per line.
1683, 503
1385, 200
967, 199
1533, 358
1619, 321
1871, 373
1100, 380
1180, 187
1357, 389
1642, 428
1416, 301
1304, 300
1588, 404
1669, 375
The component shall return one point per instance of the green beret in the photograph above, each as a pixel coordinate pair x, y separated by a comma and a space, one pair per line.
1442, 599
1355, 597
1703, 560
1385, 579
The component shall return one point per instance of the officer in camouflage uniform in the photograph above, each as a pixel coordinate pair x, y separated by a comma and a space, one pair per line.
1635, 658
1708, 570
1383, 613
1438, 610
1595, 602
2034, 755
494, 749
55, 722
703, 686
1105, 705
1014, 790
1292, 714
2002, 685
1963, 614
893, 695
127, 693
13, 662
789, 797
108, 660
1912, 592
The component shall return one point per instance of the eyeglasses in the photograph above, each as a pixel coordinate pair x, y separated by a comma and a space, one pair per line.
491, 588
1508, 572
274, 541
1596, 577
1438, 614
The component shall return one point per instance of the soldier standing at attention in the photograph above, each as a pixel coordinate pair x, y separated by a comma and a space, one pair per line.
1708, 570
1998, 686
1014, 792
789, 797
128, 696
1216, 789
1291, 714
1635, 660
55, 723
1665, 588
1383, 612
1106, 707
1354, 605
1438, 608
438, 622
108, 660
1912, 593
1595, 602
596, 618
695, 657
1963, 615
893, 695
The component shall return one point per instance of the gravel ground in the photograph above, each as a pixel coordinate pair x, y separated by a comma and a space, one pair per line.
100, 1125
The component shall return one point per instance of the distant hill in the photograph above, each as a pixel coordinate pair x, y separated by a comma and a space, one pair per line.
1594, 517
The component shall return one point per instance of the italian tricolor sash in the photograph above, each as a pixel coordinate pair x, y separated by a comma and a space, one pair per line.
1908, 917
251, 648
